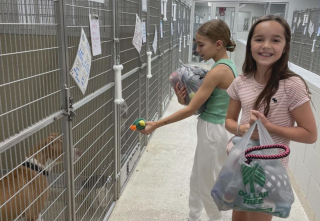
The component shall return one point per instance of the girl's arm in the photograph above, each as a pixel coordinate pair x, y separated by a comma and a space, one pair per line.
232, 120
304, 132
213, 78
232, 116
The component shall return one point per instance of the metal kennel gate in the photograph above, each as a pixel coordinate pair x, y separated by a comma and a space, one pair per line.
81, 141
305, 39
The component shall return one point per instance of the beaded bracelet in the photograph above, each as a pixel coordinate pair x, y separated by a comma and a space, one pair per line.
238, 130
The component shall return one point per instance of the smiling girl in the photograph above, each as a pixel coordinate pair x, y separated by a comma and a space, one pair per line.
269, 91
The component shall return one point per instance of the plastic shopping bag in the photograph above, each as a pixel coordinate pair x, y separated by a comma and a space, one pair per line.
191, 77
246, 183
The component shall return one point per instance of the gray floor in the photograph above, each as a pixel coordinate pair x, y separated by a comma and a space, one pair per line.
159, 186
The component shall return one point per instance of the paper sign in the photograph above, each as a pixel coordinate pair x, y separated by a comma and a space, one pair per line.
171, 28
299, 21
95, 34
100, 1
144, 32
137, 37
305, 19
80, 70
311, 28
144, 5
155, 40
161, 30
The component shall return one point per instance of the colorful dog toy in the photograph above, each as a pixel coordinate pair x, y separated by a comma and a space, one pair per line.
139, 124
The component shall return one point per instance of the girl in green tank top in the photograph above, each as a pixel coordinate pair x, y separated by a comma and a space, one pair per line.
213, 42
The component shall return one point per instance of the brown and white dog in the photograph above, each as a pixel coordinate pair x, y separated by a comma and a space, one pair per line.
25, 190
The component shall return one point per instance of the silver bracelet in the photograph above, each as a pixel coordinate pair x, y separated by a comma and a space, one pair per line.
238, 130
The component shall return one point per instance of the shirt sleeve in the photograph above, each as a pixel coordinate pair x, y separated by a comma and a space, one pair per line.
233, 89
298, 94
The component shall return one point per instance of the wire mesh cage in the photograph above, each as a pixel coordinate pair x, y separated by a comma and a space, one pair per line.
129, 56
77, 14
64, 151
29, 69
129, 112
93, 134
30, 172
315, 63
304, 49
154, 24
297, 39
153, 91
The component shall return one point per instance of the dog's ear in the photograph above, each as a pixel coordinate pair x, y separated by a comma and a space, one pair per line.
54, 135
52, 146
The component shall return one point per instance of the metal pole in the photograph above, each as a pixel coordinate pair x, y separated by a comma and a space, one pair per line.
116, 57
160, 64
65, 104
148, 49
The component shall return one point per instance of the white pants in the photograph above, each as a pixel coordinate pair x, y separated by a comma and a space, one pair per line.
209, 158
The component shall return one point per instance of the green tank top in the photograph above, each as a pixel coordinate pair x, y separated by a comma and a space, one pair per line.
217, 104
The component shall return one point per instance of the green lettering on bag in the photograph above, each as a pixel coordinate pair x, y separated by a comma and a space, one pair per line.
252, 201
267, 210
252, 175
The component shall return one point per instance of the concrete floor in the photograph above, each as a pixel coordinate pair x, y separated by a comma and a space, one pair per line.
159, 186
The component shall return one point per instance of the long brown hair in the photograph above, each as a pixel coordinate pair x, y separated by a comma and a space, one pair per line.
217, 29
281, 72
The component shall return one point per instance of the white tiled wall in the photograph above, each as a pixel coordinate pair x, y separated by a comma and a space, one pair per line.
306, 165
304, 161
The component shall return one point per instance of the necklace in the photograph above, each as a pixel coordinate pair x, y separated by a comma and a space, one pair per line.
256, 85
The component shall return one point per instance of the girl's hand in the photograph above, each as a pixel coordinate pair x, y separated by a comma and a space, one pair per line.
181, 93
244, 128
150, 127
252, 119
260, 116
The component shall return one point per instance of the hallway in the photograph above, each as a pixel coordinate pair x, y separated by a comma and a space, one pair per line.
159, 187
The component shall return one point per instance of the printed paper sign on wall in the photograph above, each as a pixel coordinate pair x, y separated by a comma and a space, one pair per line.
137, 38
144, 32
95, 34
155, 40
80, 70
144, 5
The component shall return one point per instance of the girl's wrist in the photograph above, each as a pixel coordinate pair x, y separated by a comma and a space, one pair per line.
269, 127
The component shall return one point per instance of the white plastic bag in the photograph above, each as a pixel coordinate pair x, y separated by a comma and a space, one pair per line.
191, 77
260, 185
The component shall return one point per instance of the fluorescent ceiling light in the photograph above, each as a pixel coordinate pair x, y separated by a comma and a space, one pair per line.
209, 4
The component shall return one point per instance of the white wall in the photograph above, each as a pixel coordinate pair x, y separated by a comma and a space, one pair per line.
256, 10
204, 11
227, 15
304, 160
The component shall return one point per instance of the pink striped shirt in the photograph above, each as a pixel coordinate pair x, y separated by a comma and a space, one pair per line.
291, 94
